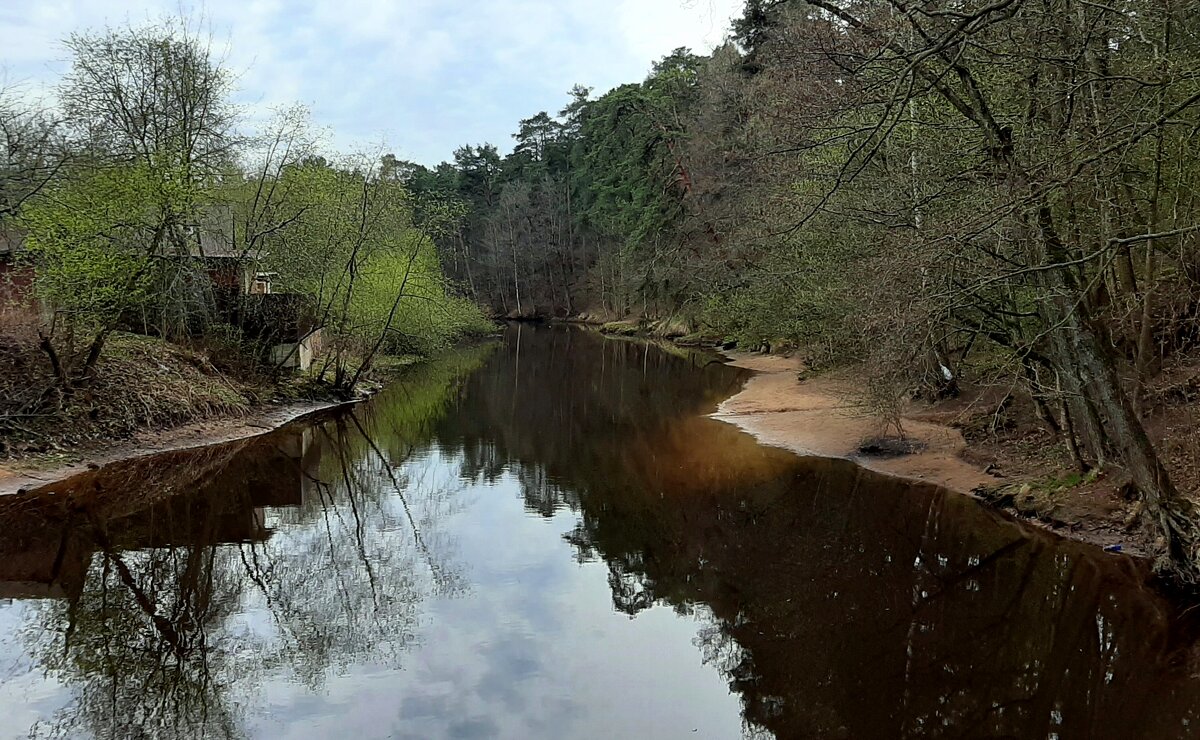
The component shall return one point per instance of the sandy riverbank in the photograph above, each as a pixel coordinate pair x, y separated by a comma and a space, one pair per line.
815, 417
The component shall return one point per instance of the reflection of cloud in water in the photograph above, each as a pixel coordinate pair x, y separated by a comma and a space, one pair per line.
536, 651
25, 695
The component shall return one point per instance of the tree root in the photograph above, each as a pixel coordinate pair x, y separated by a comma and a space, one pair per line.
1178, 560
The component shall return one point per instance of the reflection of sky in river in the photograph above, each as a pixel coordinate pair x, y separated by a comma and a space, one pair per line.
26, 695
526, 644
533, 649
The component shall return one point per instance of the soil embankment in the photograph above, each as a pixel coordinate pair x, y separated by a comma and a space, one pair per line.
36, 472
144, 396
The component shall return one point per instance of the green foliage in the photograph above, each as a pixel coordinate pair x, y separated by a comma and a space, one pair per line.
92, 238
427, 318
631, 157
371, 272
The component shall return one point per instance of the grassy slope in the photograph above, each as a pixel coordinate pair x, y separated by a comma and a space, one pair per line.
140, 383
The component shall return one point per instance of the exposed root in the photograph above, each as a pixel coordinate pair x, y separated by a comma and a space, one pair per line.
1178, 560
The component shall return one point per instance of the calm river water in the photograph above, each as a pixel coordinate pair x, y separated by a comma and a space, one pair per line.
545, 537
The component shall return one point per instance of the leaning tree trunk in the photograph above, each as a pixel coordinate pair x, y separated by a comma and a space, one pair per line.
1099, 402
1174, 516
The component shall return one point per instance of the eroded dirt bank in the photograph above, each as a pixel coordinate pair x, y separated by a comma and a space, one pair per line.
37, 472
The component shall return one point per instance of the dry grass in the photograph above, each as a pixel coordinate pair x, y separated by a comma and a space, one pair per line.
140, 383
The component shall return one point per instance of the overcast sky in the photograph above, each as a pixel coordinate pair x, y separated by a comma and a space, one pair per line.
424, 76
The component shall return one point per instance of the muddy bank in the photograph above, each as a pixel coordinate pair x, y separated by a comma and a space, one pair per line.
36, 472
817, 417
64, 455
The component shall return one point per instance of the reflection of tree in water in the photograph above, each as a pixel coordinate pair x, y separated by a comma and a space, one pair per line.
200, 592
836, 602
560, 407
137, 637
833, 620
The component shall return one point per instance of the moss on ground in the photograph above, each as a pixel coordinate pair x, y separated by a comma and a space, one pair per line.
621, 328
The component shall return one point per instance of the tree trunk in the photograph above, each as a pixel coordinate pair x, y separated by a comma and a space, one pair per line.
1087, 364
55, 362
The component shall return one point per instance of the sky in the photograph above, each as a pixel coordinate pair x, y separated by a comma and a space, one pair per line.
420, 77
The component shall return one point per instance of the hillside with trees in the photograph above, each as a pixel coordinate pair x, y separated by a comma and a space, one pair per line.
138, 203
995, 192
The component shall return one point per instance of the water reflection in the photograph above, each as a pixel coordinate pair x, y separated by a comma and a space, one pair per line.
487, 550
172, 597
845, 604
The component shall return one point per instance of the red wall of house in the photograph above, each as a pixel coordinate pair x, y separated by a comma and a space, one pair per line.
16, 283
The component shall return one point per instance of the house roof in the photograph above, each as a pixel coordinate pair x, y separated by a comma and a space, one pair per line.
215, 239
211, 237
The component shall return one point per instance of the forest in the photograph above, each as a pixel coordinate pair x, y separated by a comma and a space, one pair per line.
999, 192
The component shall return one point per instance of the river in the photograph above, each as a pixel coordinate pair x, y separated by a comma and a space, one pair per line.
546, 537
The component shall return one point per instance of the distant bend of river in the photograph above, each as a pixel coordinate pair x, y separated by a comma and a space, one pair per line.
546, 537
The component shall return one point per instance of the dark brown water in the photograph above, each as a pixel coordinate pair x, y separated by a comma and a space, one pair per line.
545, 538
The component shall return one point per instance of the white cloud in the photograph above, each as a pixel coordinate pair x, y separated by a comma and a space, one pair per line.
654, 28
426, 74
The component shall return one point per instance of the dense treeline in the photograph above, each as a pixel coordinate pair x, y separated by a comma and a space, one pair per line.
138, 201
589, 212
997, 188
